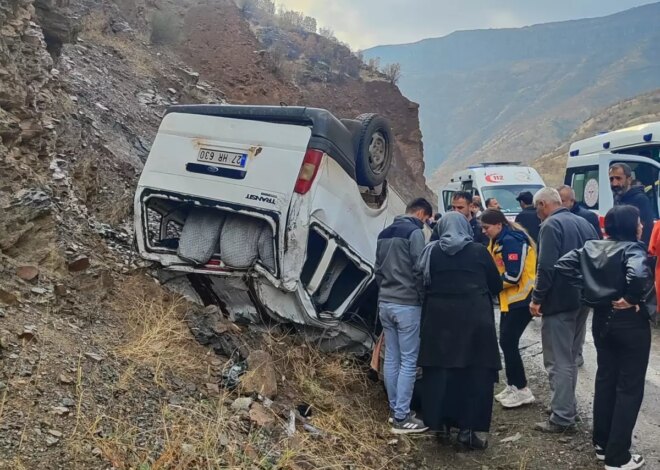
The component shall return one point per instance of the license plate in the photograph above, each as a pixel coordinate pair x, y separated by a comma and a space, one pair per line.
219, 157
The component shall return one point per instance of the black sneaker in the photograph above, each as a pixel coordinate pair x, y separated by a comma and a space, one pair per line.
553, 428
409, 425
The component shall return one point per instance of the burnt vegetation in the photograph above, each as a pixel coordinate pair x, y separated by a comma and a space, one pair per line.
302, 51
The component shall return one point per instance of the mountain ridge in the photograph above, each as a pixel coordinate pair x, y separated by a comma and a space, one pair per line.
518, 93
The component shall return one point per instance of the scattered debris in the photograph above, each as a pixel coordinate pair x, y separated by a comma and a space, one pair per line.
81, 263
513, 438
27, 272
261, 377
8, 298
94, 356
241, 404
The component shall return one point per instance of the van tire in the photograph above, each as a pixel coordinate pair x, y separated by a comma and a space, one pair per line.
374, 150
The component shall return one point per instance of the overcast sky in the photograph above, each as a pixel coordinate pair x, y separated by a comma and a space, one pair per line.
366, 23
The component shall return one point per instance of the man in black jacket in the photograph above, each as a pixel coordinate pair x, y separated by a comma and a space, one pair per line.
461, 202
558, 303
626, 194
528, 218
568, 201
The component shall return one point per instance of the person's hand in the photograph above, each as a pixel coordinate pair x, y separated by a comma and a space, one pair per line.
622, 304
535, 309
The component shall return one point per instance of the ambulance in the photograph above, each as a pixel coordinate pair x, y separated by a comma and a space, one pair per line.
500, 180
589, 160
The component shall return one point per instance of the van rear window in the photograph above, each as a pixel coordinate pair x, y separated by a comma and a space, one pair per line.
584, 181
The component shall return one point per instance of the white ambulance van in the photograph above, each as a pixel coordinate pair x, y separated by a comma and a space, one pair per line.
587, 170
500, 180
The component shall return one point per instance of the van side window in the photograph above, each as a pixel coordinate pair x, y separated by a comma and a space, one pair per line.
446, 199
646, 175
584, 181
649, 151
467, 186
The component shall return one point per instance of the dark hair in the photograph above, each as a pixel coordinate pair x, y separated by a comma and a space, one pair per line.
463, 195
493, 216
525, 197
437, 216
621, 223
622, 166
488, 201
420, 204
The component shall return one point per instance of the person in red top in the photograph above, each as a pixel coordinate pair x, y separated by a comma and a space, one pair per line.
654, 250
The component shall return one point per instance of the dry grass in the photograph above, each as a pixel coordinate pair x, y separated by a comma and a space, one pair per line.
159, 338
349, 411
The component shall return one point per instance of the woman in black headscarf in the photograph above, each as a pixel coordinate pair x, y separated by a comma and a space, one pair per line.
458, 351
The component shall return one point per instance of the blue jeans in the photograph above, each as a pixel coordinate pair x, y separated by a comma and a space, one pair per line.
401, 327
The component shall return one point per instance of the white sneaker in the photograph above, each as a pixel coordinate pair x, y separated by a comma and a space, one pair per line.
504, 393
518, 398
636, 461
600, 452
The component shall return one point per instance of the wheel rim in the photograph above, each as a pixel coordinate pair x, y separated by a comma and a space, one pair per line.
377, 153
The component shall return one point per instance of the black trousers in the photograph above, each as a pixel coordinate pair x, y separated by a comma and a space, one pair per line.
623, 344
512, 326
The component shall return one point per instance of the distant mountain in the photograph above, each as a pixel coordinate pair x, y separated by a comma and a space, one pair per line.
631, 112
516, 94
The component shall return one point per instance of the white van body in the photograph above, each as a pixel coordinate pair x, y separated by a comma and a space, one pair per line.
503, 181
316, 251
589, 160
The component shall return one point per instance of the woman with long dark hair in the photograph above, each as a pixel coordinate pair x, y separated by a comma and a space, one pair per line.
514, 254
458, 350
617, 282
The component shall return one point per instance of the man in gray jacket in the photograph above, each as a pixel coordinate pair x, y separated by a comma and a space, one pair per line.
558, 303
400, 309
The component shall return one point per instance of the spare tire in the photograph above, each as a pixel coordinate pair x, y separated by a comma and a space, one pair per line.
374, 150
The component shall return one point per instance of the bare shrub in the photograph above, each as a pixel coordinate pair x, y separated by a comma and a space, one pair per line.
393, 72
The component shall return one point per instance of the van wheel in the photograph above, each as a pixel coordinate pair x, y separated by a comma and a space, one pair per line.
374, 150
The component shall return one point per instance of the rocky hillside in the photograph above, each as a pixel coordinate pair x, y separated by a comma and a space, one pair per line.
638, 110
515, 94
99, 366
248, 74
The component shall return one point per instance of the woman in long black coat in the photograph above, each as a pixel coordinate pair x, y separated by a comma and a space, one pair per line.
458, 351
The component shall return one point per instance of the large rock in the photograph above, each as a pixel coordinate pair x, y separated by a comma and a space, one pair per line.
261, 377
59, 25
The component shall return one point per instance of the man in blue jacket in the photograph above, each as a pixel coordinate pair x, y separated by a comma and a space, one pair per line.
400, 309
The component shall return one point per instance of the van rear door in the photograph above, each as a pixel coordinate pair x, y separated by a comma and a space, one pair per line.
236, 161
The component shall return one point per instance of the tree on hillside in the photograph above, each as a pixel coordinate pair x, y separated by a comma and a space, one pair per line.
393, 72
374, 64
267, 6
327, 33
290, 20
309, 24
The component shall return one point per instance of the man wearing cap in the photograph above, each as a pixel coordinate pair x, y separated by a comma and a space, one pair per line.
528, 218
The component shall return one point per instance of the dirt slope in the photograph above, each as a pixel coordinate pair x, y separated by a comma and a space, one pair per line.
218, 42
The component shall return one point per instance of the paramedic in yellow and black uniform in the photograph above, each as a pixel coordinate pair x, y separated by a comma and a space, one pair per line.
515, 256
